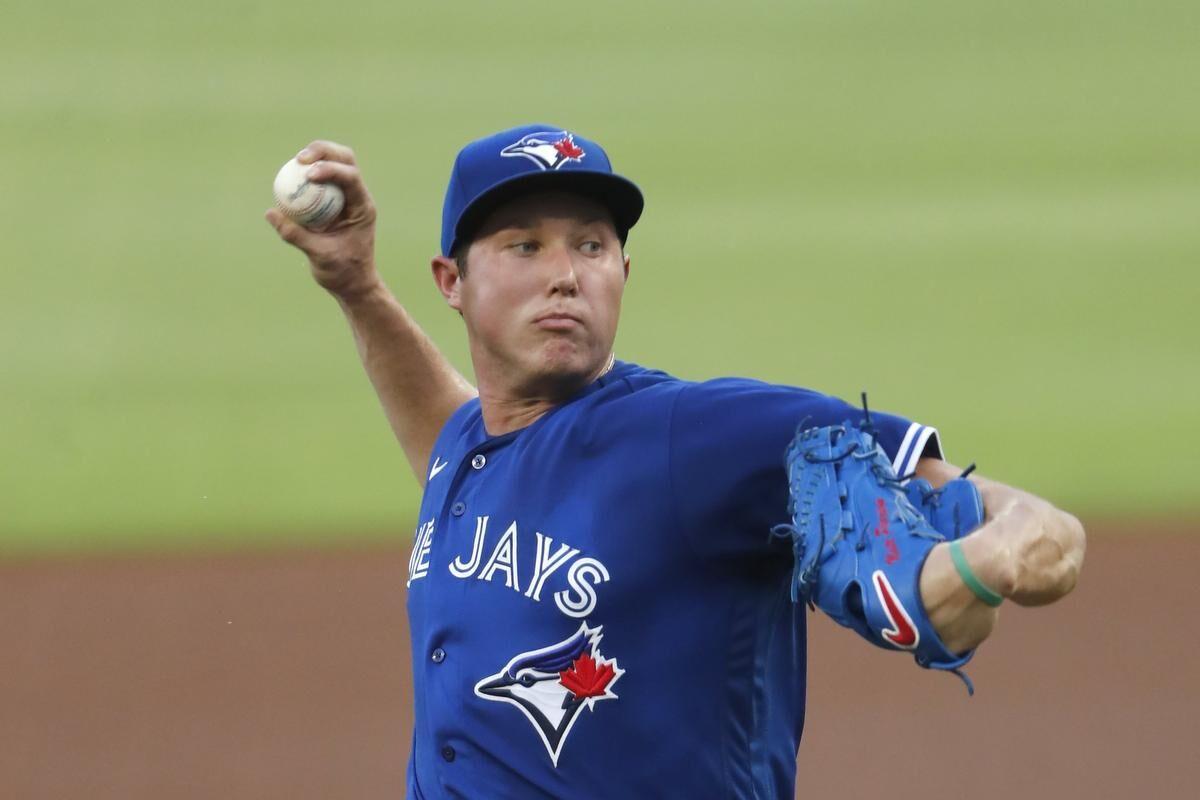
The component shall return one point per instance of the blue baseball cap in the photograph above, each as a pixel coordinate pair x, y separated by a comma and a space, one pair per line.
490, 171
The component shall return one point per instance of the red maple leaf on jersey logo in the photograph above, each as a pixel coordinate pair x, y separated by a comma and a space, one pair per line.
567, 147
583, 679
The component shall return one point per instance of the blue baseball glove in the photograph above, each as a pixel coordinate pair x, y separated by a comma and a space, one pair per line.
859, 542
954, 510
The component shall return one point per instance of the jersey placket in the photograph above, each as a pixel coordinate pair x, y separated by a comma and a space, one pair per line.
446, 612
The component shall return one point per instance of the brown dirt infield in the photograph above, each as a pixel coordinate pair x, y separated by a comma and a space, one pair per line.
285, 676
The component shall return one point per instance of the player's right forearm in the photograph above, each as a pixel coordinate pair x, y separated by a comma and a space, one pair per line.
417, 386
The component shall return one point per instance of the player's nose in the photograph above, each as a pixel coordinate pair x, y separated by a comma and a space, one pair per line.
563, 279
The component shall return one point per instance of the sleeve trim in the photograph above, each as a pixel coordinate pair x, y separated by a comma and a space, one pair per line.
913, 445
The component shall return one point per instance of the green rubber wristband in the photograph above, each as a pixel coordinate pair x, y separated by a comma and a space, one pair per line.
973, 583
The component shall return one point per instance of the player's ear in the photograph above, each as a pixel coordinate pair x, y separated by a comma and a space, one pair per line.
627, 267
448, 280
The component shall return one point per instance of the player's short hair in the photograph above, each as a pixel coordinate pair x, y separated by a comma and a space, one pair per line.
459, 254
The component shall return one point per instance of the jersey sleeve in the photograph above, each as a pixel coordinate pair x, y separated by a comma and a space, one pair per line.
726, 445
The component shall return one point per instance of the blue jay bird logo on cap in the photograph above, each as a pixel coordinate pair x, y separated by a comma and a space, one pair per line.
553, 684
547, 149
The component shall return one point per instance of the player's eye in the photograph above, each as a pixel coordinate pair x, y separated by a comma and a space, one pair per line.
525, 248
592, 248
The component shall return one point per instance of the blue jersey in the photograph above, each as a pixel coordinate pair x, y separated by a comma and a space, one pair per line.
597, 606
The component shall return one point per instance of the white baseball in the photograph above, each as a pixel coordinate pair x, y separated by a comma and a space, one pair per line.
313, 205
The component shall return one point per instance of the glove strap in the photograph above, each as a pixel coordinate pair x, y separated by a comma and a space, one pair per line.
973, 583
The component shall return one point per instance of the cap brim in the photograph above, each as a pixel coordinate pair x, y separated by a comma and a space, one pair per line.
619, 195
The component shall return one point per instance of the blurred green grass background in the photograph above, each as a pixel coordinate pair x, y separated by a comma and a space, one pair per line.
986, 214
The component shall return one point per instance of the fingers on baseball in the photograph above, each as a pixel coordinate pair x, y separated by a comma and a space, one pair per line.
347, 176
322, 150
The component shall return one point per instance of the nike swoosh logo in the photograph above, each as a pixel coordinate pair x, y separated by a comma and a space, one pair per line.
437, 468
903, 633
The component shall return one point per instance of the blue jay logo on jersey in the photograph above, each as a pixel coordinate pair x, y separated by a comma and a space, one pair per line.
547, 149
553, 684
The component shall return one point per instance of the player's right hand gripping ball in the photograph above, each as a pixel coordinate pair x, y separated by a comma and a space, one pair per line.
313, 205
859, 542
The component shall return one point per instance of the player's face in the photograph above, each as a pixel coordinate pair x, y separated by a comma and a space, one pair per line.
542, 293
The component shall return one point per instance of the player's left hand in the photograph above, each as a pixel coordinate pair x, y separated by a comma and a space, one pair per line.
874, 563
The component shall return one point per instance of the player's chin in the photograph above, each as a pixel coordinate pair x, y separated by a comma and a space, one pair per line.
566, 361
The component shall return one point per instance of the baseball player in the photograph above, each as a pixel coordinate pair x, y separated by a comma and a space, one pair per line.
607, 585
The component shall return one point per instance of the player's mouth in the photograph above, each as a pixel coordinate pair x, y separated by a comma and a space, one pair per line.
557, 321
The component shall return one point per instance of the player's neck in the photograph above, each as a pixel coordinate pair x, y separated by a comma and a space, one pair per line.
506, 407
505, 415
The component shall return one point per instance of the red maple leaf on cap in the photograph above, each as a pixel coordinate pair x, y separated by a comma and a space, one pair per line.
583, 679
567, 147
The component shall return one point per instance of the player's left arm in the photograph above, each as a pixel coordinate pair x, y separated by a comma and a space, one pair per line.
1027, 550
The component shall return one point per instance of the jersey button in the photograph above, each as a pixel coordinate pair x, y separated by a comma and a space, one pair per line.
438, 655
478, 461
458, 508
448, 753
